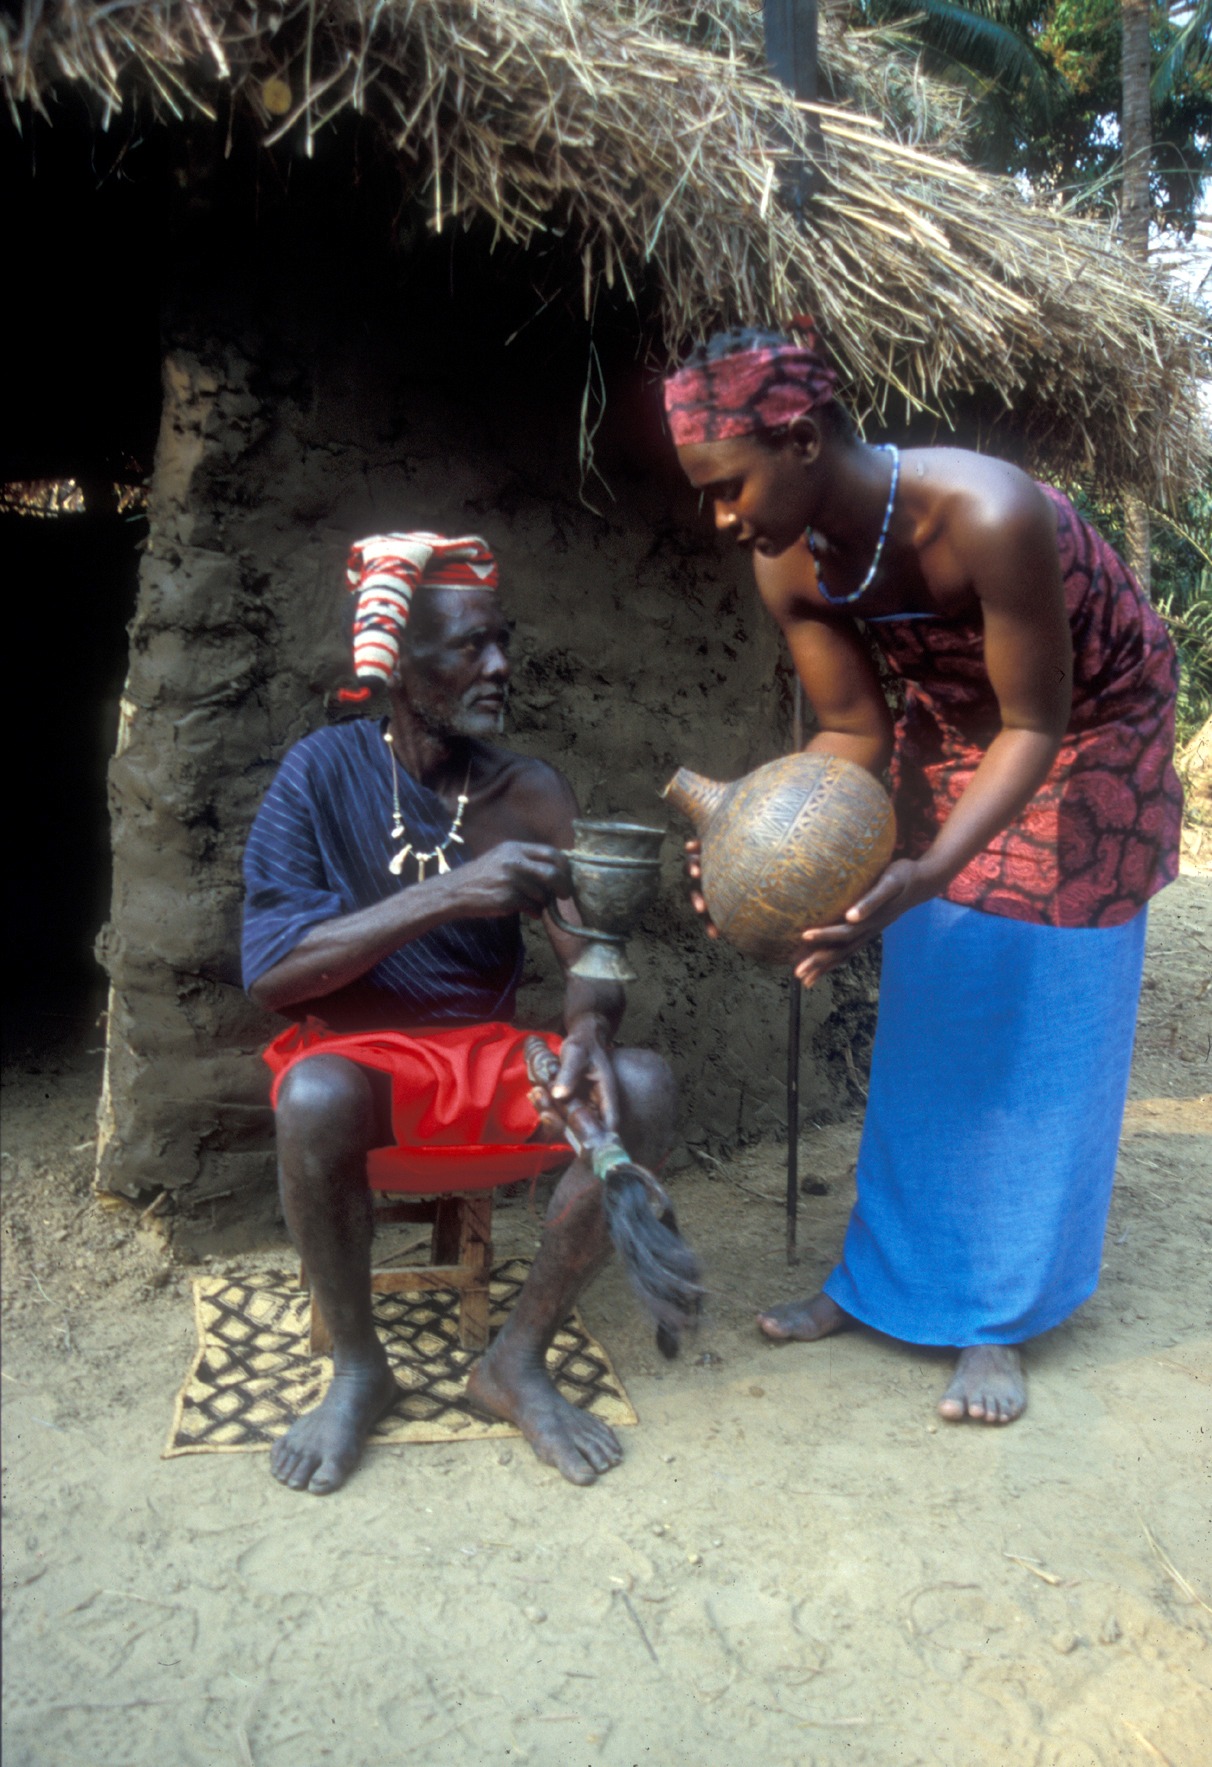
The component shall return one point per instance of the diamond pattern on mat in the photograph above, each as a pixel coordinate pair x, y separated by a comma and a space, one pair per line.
254, 1372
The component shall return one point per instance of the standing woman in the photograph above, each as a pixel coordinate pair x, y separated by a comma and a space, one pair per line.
1038, 810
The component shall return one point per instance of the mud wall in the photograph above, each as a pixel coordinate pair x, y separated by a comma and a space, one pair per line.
301, 411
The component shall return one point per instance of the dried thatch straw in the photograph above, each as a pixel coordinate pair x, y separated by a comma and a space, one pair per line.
873, 70
662, 158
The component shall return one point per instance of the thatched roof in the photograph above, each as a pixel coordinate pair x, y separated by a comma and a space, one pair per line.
644, 131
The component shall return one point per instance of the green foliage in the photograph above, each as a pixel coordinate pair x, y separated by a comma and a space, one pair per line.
995, 43
1188, 55
1182, 592
1182, 589
1081, 153
1045, 82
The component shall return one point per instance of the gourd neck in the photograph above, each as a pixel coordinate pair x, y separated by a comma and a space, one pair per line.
698, 799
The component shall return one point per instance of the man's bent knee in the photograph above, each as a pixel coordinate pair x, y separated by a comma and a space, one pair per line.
325, 1096
649, 1103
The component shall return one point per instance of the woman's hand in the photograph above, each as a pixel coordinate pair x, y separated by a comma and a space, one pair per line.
694, 871
902, 886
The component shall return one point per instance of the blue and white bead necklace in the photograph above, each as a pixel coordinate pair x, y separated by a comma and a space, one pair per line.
841, 600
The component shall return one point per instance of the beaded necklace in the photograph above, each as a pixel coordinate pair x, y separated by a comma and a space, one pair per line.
396, 863
841, 600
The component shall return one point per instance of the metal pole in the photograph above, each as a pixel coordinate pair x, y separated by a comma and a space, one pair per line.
791, 52
793, 1119
793, 1042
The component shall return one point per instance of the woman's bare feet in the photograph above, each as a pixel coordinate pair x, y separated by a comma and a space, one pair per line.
321, 1448
804, 1321
989, 1385
515, 1388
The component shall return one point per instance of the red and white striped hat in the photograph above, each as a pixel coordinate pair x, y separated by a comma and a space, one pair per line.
383, 572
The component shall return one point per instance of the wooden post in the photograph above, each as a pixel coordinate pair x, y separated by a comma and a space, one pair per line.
791, 39
791, 53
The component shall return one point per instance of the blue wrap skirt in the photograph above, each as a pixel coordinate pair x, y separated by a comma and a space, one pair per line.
998, 1083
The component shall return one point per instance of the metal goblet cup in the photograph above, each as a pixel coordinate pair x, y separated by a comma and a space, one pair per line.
616, 874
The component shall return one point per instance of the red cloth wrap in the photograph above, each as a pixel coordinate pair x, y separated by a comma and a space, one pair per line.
750, 390
1101, 834
449, 1088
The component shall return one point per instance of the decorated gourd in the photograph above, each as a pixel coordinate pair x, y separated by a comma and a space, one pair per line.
790, 846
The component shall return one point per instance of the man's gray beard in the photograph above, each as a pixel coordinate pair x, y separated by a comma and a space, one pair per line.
466, 721
469, 722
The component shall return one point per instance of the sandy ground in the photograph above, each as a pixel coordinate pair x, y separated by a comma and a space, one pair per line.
796, 1563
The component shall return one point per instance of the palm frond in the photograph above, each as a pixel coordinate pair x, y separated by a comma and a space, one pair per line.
1190, 51
984, 40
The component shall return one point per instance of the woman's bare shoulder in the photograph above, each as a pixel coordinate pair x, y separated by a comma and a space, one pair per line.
974, 487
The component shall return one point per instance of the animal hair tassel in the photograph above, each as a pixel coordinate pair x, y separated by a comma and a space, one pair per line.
663, 1270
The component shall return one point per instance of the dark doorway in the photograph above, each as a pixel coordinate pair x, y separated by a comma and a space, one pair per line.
82, 405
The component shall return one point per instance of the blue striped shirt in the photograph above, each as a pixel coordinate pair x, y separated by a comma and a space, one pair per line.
320, 847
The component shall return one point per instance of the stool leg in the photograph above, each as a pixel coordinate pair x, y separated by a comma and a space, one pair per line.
475, 1256
447, 1230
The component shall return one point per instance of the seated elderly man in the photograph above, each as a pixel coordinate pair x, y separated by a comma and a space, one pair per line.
386, 872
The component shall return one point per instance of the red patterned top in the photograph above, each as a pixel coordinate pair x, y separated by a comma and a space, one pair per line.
1101, 835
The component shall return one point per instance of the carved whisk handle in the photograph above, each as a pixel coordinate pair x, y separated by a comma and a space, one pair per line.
661, 1267
584, 1130
586, 1133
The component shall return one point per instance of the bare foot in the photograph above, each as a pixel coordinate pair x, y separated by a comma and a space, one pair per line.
321, 1449
989, 1385
576, 1444
805, 1321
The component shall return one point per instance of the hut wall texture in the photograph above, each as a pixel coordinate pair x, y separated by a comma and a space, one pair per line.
289, 427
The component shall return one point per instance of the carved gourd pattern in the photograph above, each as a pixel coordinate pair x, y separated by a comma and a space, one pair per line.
790, 846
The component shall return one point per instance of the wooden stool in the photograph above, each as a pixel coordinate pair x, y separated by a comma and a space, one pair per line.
452, 1188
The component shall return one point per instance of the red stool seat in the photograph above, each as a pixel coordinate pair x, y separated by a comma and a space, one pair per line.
437, 1171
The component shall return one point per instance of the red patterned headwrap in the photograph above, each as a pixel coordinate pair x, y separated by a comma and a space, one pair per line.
712, 399
383, 572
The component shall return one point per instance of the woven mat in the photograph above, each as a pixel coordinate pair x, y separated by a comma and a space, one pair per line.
253, 1373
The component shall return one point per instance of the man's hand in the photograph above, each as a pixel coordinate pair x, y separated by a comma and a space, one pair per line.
902, 886
694, 871
514, 877
586, 1067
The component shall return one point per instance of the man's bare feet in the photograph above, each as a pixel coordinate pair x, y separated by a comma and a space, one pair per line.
321, 1449
989, 1385
516, 1388
805, 1321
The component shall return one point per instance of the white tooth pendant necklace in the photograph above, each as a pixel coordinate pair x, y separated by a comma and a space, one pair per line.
399, 833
